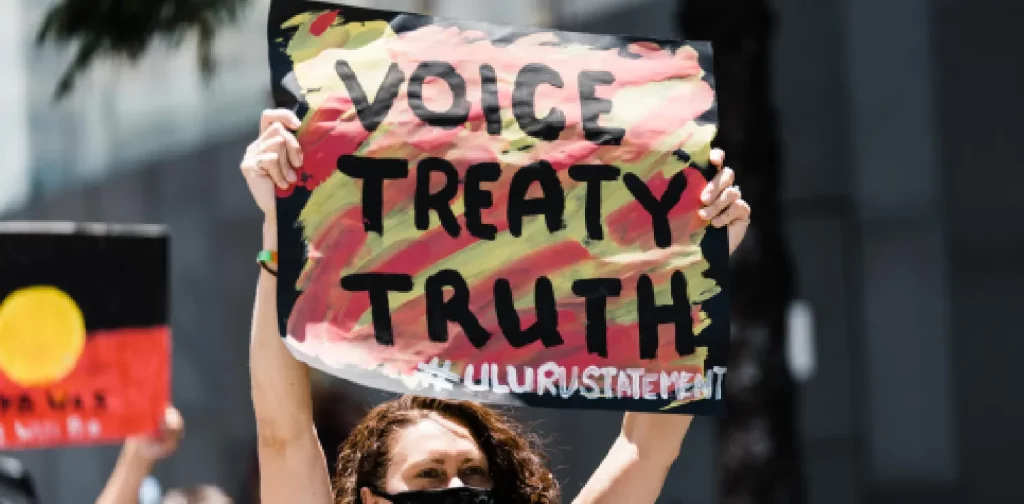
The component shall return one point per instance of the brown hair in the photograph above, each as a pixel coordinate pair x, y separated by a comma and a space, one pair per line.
519, 471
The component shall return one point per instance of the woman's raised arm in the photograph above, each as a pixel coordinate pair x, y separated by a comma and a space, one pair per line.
291, 461
635, 468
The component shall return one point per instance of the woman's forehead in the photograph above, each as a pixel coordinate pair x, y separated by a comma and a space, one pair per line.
433, 437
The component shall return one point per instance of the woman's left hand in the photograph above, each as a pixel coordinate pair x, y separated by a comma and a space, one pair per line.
723, 203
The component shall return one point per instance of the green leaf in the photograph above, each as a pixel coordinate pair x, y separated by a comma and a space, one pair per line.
125, 29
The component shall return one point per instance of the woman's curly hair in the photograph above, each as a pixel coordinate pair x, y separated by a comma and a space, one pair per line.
518, 469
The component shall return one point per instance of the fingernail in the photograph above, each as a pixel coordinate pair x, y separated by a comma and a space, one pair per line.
703, 214
290, 176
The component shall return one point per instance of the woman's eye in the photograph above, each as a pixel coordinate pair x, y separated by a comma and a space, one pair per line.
429, 474
475, 471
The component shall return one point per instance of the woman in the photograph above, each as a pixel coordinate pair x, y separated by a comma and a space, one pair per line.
420, 450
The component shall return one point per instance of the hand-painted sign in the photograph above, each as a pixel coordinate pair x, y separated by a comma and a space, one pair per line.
505, 214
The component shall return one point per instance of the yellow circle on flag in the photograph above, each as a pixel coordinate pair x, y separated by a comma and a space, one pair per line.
42, 335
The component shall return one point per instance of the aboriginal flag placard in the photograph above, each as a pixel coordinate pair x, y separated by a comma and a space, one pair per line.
499, 213
84, 339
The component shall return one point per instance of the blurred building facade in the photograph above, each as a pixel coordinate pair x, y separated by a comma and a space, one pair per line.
900, 155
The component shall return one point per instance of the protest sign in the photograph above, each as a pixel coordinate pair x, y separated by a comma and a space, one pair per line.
84, 340
499, 213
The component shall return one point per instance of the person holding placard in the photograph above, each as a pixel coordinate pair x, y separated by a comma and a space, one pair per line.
427, 450
130, 481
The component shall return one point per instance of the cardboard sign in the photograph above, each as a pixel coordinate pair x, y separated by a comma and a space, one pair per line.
499, 213
84, 340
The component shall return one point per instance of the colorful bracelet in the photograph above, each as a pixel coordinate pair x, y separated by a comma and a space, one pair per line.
264, 258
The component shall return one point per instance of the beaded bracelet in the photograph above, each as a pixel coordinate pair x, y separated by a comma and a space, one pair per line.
264, 258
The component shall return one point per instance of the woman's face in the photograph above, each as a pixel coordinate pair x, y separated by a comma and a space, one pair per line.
435, 453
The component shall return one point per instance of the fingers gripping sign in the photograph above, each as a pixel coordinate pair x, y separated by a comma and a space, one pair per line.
723, 202
273, 158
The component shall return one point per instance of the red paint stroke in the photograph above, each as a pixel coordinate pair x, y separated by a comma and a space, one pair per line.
322, 23
344, 238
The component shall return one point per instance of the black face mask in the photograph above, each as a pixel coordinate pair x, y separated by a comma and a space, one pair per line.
456, 495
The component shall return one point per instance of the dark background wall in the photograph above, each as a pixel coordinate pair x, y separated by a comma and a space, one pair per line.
901, 124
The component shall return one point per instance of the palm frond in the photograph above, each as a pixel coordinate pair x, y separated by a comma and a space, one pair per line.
126, 29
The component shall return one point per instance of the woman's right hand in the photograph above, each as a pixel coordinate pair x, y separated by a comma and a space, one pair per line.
292, 464
272, 158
